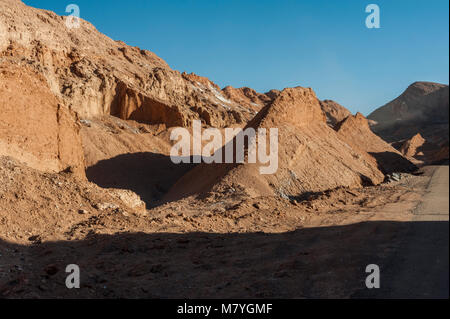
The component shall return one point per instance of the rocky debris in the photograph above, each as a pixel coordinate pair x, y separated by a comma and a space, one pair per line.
105, 206
33, 202
402, 177
129, 198
334, 112
394, 177
35, 127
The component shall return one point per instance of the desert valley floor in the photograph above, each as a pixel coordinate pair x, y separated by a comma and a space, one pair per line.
315, 247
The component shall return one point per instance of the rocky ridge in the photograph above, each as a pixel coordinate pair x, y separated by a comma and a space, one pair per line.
312, 156
94, 75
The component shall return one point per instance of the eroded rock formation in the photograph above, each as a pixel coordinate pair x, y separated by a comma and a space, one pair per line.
35, 127
311, 155
95, 75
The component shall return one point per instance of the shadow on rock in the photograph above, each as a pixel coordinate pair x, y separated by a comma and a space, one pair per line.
149, 175
389, 162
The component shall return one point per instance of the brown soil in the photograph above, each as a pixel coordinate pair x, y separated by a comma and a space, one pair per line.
228, 245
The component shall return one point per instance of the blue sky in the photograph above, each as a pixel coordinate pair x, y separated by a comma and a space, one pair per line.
275, 44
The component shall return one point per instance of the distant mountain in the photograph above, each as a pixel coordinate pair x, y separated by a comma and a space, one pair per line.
423, 108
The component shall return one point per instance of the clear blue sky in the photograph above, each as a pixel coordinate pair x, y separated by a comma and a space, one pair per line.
275, 44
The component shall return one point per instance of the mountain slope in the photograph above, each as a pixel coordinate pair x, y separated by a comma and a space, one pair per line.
34, 126
423, 108
95, 75
356, 132
311, 156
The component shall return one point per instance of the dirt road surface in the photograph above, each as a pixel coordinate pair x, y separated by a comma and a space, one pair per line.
420, 267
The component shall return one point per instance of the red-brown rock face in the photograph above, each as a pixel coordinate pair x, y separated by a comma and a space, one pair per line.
94, 75
35, 128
